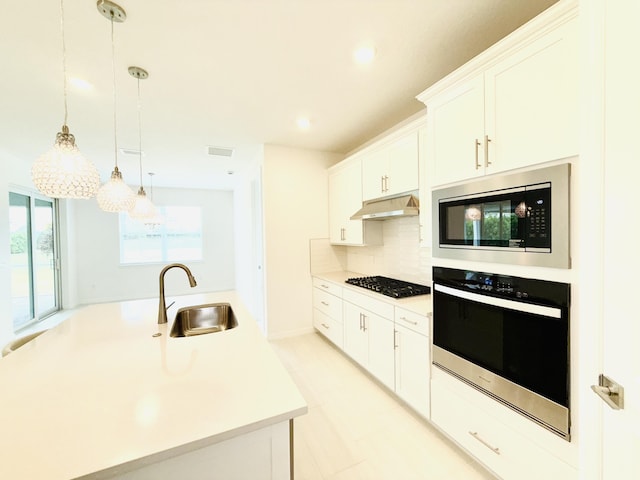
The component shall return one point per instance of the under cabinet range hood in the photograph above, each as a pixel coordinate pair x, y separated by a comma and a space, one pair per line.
380, 209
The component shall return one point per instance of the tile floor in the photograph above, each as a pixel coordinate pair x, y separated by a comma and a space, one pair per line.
355, 429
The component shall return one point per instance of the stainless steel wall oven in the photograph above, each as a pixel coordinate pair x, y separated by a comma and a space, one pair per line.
509, 338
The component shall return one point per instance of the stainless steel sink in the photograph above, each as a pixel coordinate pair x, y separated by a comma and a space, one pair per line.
201, 319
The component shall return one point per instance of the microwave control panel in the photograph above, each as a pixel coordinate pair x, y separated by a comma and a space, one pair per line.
538, 229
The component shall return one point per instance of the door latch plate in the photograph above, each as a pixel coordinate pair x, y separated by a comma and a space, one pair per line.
611, 392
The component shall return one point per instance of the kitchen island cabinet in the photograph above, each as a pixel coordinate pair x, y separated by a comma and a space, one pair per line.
102, 395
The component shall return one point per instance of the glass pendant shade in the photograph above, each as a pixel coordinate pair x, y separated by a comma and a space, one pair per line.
143, 209
156, 220
63, 172
115, 195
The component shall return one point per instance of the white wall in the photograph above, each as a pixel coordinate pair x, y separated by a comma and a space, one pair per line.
99, 277
249, 238
400, 256
295, 202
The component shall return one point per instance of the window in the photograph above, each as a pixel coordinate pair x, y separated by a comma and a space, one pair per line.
177, 238
34, 258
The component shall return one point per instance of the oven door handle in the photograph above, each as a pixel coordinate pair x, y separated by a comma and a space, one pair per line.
500, 302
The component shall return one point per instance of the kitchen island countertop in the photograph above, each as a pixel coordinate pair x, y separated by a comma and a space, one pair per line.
99, 394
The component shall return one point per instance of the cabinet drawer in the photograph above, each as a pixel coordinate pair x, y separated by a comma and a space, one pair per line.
504, 451
378, 307
328, 327
332, 288
328, 304
413, 321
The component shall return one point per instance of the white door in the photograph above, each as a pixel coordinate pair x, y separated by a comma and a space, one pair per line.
621, 321
258, 307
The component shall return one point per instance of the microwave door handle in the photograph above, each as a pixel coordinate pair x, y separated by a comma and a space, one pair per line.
500, 302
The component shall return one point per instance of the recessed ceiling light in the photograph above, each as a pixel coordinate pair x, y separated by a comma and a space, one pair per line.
80, 84
364, 55
303, 123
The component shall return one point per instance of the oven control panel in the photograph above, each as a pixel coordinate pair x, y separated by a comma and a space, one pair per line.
504, 286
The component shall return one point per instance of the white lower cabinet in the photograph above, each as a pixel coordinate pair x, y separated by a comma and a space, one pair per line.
475, 424
390, 342
329, 327
368, 339
327, 310
412, 360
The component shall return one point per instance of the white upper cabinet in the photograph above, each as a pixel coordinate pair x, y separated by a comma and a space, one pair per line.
345, 198
513, 106
391, 169
531, 100
455, 132
424, 177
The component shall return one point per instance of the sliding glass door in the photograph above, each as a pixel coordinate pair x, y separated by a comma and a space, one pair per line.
34, 258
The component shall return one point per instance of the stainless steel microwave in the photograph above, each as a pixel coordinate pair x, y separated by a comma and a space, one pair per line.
519, 219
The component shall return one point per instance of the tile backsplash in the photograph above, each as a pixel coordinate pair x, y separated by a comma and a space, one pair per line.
400, 256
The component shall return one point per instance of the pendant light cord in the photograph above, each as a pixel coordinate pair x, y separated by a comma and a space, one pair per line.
64, 61
140, 131
115, 121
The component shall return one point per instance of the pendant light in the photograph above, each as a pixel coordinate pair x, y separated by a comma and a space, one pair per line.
142, 209
115, 195
63, 172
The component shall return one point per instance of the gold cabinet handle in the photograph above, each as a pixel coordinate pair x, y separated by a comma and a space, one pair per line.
477, 144
475, 435
408, 321
486, 151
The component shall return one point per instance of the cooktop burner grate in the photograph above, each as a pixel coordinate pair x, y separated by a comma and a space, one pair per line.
389, 286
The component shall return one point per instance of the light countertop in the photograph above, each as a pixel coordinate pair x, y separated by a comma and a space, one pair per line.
98, 394
420, 304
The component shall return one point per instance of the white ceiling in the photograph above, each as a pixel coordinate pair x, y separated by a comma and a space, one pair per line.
230, 73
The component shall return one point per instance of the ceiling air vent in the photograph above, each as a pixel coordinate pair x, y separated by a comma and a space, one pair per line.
130, 151
220, 151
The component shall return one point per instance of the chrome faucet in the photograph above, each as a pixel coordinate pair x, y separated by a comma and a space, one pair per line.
162, 308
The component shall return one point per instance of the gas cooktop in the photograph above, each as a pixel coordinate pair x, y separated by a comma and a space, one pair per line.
389, 286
